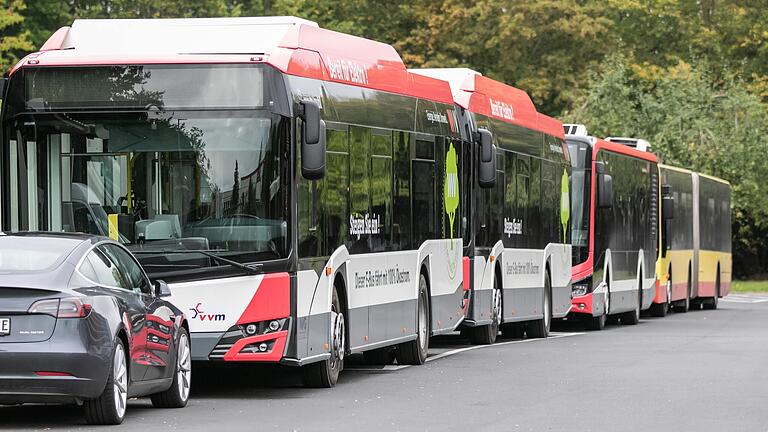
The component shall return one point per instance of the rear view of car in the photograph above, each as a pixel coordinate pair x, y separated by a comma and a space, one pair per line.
67, 338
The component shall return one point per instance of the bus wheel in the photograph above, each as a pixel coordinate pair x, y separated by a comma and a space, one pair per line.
662, 309
325, 374
486, 335
415, 352
686, 304
633, 317
711, 303
598, 322
540, 327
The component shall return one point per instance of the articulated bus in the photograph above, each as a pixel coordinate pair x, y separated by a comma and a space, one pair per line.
302, 193
695, 260
615, 202
519, 245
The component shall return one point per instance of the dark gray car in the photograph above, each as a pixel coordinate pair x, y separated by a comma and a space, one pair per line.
81, 322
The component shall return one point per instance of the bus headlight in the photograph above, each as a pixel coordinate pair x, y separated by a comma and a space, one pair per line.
579, 290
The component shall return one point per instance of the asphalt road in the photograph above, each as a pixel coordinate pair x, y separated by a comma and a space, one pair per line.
700, 371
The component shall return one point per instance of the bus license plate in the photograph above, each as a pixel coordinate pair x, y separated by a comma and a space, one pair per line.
5, 326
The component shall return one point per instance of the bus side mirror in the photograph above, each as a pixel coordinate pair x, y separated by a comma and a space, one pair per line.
604, 186
486, 172
3, 87
312, 141
667, 203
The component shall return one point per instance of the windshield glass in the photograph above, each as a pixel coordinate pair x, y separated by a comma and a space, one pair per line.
581, 158
157, 181
30, 254
140, 87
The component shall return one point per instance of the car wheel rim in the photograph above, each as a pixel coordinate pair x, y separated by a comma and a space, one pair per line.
120, 381
184, 367
338, 338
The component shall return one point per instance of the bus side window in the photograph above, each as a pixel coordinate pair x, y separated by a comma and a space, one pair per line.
381, 188
534, 235
334, 193
523, 191
401, 228
423, 172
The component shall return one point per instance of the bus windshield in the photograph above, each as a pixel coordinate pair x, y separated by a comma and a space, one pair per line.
155, 180
581, 159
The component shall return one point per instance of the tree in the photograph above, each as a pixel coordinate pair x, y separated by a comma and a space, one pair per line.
14, 40
693, 121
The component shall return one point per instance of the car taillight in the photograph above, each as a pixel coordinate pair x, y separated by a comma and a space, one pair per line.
71, 307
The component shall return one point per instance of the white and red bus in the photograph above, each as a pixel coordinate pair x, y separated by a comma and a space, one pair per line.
303, 194
615, 212
518, 237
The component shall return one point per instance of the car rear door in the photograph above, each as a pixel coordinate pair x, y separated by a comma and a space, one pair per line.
102, 266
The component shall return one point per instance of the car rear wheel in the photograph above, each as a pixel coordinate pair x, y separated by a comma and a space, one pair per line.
178, 394
109, 408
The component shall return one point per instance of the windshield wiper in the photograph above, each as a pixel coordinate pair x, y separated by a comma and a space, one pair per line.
255, 269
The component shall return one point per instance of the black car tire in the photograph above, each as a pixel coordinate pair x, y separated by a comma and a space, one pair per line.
175, 396
104, 409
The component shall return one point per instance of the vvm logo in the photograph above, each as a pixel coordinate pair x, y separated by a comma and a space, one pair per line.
198, 313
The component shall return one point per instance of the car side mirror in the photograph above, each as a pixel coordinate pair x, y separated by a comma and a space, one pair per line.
667, 203
312, 141
486, 172
162, 289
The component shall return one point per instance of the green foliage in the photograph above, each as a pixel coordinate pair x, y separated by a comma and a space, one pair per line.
692, 122
14, 40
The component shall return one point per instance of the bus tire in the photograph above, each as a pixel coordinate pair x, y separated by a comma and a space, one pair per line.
633, 317
711, 303
540, 328
598, 322
486, 335
686, 304
325, 374
415, 352
662, 309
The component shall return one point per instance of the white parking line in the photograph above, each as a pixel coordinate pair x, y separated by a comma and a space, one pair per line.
745, 298
392, 368
552, 335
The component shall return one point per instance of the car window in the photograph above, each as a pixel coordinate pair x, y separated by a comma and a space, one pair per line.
86, 269
130, 268
106, 270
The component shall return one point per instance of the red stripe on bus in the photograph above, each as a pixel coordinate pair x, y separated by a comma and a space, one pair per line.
271, 301
582, 304
465, 268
